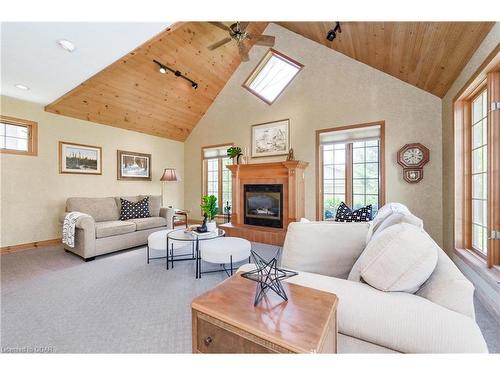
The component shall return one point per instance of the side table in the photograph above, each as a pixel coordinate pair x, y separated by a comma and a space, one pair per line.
226, 321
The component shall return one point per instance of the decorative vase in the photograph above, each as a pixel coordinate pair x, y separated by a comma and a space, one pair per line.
211, 226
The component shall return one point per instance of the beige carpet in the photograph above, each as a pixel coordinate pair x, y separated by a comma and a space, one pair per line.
52, 301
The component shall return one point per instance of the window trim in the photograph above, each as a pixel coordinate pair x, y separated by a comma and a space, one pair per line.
204, 174
485, 76
32, 127
348, 176
271, 52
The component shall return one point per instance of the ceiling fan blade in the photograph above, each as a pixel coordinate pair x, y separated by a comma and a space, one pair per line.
219, 43
243, 52
265, 40
220, 25
243, 25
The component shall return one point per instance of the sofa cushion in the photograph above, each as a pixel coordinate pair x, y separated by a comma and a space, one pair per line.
149, 222
101, 209
399, 259
391, 214
113, 228
346, 214
154, 204
324, 247
131, 210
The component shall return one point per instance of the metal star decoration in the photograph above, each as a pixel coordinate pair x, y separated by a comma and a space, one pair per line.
268, 276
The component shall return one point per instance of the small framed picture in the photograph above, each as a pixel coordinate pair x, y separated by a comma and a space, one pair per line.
271, 138
79, 159
134, 166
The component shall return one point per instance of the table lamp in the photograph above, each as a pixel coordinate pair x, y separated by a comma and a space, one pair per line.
169, 175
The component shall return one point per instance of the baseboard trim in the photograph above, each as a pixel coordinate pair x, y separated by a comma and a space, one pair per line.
29, 246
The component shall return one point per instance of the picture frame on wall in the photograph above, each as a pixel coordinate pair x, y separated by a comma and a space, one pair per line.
75, 158
271, 138
133, 166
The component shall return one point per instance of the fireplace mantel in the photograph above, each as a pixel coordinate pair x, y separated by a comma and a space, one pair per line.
288, 173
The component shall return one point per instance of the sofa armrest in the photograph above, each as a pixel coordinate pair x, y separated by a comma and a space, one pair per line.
324, 247
168, 214
399, 321
85, 236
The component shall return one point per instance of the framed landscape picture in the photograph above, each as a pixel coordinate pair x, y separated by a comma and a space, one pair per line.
271, 138
134, 166
79, 159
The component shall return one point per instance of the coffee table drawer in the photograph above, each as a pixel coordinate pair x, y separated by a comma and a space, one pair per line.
212, 338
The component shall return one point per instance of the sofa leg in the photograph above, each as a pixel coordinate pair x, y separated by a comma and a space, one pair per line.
89, 259
67, 251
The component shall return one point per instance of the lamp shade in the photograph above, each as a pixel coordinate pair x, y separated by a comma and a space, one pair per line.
169, 175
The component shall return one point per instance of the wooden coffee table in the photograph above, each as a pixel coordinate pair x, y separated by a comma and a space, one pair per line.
226, 321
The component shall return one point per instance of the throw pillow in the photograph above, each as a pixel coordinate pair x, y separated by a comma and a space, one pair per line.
400, 259
345, 214
131, 210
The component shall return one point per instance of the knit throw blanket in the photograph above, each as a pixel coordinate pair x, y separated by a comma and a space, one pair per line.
69, 224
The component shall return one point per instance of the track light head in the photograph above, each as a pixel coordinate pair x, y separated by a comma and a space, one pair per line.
332, 34
163, 70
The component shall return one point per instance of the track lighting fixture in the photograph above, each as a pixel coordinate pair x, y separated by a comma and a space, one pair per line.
332, 34
164, 69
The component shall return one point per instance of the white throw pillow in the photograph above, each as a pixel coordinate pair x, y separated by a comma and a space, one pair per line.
399, 259
304, 220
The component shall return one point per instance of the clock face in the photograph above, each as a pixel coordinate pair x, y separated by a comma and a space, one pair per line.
413, 156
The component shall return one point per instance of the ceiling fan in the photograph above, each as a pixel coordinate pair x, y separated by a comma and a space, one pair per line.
237, 32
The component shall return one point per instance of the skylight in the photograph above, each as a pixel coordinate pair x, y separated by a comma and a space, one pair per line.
272, 76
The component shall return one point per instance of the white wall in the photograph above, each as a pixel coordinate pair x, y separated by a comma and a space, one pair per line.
331, 90
33, 193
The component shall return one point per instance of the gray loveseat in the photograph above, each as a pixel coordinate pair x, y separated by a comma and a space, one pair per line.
103, 232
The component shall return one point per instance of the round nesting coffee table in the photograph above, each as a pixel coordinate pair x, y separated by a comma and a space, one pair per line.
157, 241
189, 236
226, 250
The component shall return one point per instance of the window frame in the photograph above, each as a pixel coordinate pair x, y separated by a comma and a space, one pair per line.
262, 63
469, 102
32, 127
204, 175
348, 163
486, 76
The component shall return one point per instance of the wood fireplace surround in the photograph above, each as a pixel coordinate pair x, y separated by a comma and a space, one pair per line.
288, 173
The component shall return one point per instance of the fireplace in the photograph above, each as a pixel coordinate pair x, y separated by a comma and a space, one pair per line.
264, 205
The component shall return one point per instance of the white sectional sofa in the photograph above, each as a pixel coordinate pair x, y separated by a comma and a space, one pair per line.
437, 318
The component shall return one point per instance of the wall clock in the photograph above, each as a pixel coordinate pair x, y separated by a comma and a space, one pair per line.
412, 157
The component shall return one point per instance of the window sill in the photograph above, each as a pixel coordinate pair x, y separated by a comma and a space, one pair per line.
478, 264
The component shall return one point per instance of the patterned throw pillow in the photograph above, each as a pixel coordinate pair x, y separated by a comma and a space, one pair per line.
131, 210
345, 214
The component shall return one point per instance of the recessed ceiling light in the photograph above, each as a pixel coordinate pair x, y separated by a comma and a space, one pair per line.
66, 44
22, 87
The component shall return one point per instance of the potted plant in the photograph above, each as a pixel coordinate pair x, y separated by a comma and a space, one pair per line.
210, 209
234, 152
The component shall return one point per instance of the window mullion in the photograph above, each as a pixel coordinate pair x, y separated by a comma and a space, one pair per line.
348, 174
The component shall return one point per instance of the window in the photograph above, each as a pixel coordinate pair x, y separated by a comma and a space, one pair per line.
18, 136
216, 177
350, 168
479, 175
272, 75
477, 163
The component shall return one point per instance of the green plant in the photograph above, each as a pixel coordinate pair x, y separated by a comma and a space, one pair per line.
209, 206
234, 152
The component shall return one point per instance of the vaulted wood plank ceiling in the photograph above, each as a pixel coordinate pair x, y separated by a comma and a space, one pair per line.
429, 55
131, 94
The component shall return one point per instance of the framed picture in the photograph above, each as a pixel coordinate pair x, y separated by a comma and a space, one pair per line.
134, 166
271, 138
79, 159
